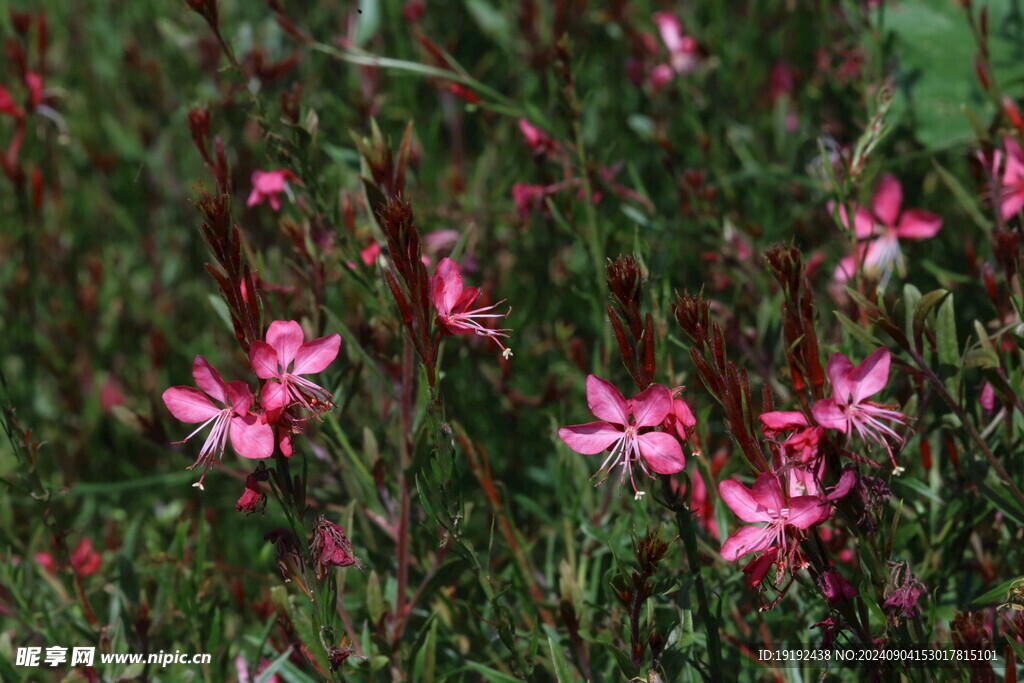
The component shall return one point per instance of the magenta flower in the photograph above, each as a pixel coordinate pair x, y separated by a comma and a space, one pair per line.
883, 227
537, 140
766, 503
849, 410
682, 49
619, 431
250, 436
331, 548
1011, 186
7, 105
284, 357
269, 185
799, 451
454, 303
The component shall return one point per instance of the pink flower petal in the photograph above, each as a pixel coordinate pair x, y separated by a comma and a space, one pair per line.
275, 396
827, 413
651, 406
671, 30
662, 452
805, 511
783, 420
870, 377
916, 224
189, 405
286, 337
251, 437
466, 300
887, 200
683, 414
239, 397
767, 493
590, 438
839, 367
208, 379
739, 499
845, 269
313, 356
254, 198
606, 402
1011, 204
264, 360
446, 286
749, 539
864, 224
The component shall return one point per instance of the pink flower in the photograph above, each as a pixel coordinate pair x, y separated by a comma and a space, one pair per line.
661, 75
537, 140
799, 452
253, 496
682, 48
331, 548
988, 397
883, 227
84, 560
7, 105
618, 430
268, 185
766, 503
454, 303
680, 419
34, 83
1011, 190
250, 436
529, 198
849, 410
286, 355
370, 253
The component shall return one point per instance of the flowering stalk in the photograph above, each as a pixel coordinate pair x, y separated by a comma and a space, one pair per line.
727, 384
625, 282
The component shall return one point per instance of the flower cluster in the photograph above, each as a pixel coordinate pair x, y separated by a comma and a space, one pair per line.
255, 424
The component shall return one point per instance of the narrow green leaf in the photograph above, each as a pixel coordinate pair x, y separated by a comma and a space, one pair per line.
562, 671
911, 297
928, 302
945, 333
275, 666
856, 331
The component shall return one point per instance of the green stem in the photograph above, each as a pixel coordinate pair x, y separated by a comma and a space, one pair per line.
684, 521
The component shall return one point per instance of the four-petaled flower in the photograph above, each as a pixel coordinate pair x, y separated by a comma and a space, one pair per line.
766, 503
249, 434
849, 410
269, 185
284, 357
619, 430
454, 303
884, 225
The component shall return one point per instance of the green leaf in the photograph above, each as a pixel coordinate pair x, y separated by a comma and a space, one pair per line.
911, 297
562, 671
275, 666
945, 333
924, 307
935, 54
967, 200
997, 594
426, 657
981, 358
856, 331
